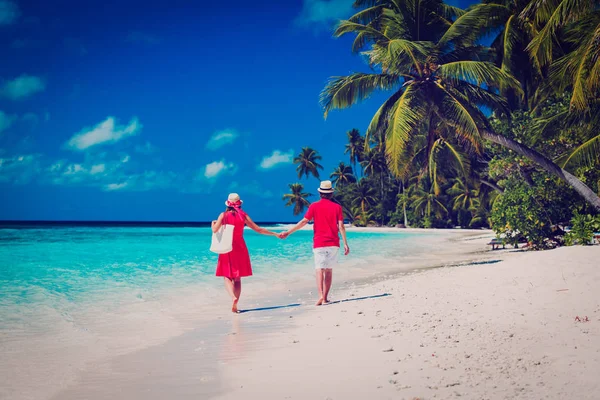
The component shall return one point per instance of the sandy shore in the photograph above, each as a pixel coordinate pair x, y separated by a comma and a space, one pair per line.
459, 321
501, 330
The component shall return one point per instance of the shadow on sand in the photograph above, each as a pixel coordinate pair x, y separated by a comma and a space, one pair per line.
298, 304
268, 308
358, 298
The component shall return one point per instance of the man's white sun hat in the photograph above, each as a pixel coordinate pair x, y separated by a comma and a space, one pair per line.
326, 187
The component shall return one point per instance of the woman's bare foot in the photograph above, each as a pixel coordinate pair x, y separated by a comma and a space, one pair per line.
325, 301
319, 302
234, 308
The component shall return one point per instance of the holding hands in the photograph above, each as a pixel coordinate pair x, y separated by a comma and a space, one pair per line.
283, 235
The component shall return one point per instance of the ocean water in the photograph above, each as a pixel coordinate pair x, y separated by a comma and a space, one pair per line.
75, 295
64, 269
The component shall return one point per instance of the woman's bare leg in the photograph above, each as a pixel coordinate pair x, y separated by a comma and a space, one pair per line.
237, 291
230, 287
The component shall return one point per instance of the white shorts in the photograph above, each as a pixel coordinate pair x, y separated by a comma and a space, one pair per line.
326, 257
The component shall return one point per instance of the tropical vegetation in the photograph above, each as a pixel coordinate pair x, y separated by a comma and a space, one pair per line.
492, 118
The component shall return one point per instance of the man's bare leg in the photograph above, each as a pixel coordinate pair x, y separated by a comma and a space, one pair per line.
230, 287
327, 279
319, 275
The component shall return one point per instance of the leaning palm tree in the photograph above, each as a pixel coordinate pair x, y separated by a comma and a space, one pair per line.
439, 84
297, 198
342, 175
308, 163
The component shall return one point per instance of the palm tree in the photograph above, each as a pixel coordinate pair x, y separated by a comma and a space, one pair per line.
512, 34
403, 200
362, 217
364, 195
297, 198
578, 69
441, 84
354, 147
426, 203
464, 198
342, 175
308, 163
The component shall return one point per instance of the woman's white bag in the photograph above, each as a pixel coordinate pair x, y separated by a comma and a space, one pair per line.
222, 240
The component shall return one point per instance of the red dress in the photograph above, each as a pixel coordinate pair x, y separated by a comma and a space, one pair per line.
235, 264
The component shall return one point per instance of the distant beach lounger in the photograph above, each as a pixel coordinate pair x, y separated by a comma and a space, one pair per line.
496, 243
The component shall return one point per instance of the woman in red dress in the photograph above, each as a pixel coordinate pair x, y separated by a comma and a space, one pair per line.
236, 264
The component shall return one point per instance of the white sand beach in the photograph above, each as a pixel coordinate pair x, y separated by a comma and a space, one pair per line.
525, 327
463, 321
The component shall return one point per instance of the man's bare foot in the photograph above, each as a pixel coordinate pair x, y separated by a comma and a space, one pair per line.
319, 302
325, 301
234, 306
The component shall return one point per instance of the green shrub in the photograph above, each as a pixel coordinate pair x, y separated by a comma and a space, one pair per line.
518, 213
582, 229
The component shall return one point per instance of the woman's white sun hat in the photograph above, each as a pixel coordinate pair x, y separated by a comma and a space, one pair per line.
233, 198
326, 187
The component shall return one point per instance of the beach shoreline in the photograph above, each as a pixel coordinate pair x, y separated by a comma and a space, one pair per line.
89, 341
299, 290
209, 357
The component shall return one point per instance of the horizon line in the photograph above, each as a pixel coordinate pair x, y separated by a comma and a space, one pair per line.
3, 221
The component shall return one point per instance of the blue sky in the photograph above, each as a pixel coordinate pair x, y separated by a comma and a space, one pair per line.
131, 110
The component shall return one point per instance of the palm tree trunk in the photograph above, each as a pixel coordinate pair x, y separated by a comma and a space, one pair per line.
580, 187
382, 199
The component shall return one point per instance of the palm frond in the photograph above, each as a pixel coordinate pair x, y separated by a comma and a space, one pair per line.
587, 154
479, 72
460, 117
367, 15
482, 97
380, 120
364, 34
475, 23
553, 15
406, 114
344, 91
510, 37
461, 161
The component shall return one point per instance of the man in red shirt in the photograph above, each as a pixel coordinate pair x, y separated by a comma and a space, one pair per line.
328, 224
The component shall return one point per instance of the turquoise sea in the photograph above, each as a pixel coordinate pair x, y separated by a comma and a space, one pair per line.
76, 294
62, 269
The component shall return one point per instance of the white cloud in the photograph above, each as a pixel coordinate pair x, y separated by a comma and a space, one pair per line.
19, 169
222, 138
111, 187
276, 159
323, 12
97, 169
22, 87
9, 12
74, 169
216, 168
5, 121
104, 133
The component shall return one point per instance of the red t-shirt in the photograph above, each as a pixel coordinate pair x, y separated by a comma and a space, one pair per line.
326, 215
